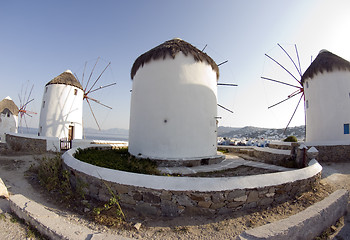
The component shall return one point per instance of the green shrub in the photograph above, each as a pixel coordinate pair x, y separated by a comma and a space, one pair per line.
118, 159
291, 139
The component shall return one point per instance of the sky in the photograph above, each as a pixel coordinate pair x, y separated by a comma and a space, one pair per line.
41, 39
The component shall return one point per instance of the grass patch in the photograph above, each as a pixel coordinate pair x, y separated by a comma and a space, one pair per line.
118, 159
56, 181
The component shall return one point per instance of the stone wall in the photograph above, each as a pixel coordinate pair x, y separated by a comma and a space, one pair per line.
337, 153
189, 203
282, 145
181, 196
24, 144
266, 155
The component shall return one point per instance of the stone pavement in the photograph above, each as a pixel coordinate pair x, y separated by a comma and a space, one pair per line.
231, 161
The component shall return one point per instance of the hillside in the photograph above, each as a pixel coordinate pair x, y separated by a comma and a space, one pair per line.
255, 132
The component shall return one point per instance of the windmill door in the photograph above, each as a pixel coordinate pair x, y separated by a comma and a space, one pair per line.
70, 133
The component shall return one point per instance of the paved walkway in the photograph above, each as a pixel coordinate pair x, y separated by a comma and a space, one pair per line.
231, 161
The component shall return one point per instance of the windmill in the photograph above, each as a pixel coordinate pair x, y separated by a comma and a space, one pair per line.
88, 90
61, 113
24, 101
298, 86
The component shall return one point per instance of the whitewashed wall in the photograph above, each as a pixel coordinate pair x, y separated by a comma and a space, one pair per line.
7, 125
173, 109
61, 109
328, 99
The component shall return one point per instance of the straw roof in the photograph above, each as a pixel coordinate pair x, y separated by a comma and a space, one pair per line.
10, 105
66, 78
325, 61
171, 48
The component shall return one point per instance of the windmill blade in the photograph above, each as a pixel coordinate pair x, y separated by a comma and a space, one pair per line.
283, 68
296, 50
30, 93
274, 80
293, 113
97, 102
25, 105
20, 100
227, 84
25, 121
82, 78
290, 58
222, 63
109, 85
225, 108
93, 114
289, 97
91, 73
98, 77
29, 112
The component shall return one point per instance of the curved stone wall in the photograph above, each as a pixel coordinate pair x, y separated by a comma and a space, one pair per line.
174, 196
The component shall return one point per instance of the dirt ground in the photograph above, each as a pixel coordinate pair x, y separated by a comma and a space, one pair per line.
13, 173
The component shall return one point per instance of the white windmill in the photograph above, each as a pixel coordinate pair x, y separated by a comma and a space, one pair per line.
327, 99
173, 113
62, 106
325, 89
8, 117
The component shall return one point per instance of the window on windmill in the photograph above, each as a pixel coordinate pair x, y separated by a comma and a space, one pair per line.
307, 103
346, 128
46, 90
307, 84
75, 91
43, 104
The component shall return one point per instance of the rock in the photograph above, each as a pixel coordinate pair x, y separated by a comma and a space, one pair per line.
218, 197
150, 198
169, 209
197, 197
137, 226
235, 194
253, 196
166, 195
184, 200
241, 199
204, 204
217, 205
3, 190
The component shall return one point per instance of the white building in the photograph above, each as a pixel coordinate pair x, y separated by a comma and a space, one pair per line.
173, 112
8, 117
61, 112
327, 99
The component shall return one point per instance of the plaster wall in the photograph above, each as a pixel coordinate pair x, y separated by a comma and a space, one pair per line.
60, 109
8, 124
327, 97
173, 109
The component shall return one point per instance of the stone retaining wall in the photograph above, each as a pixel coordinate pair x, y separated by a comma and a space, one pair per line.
282, 145
189, 203
178, 196
275, 156
24, 144
337, 153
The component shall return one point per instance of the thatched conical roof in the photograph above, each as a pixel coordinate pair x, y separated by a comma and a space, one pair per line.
171, 48
325, 61
66, 78
7, 103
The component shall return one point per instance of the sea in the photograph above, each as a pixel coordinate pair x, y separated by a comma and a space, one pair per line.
90, 135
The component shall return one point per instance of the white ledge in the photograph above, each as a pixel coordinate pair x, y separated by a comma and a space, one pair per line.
190, 183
